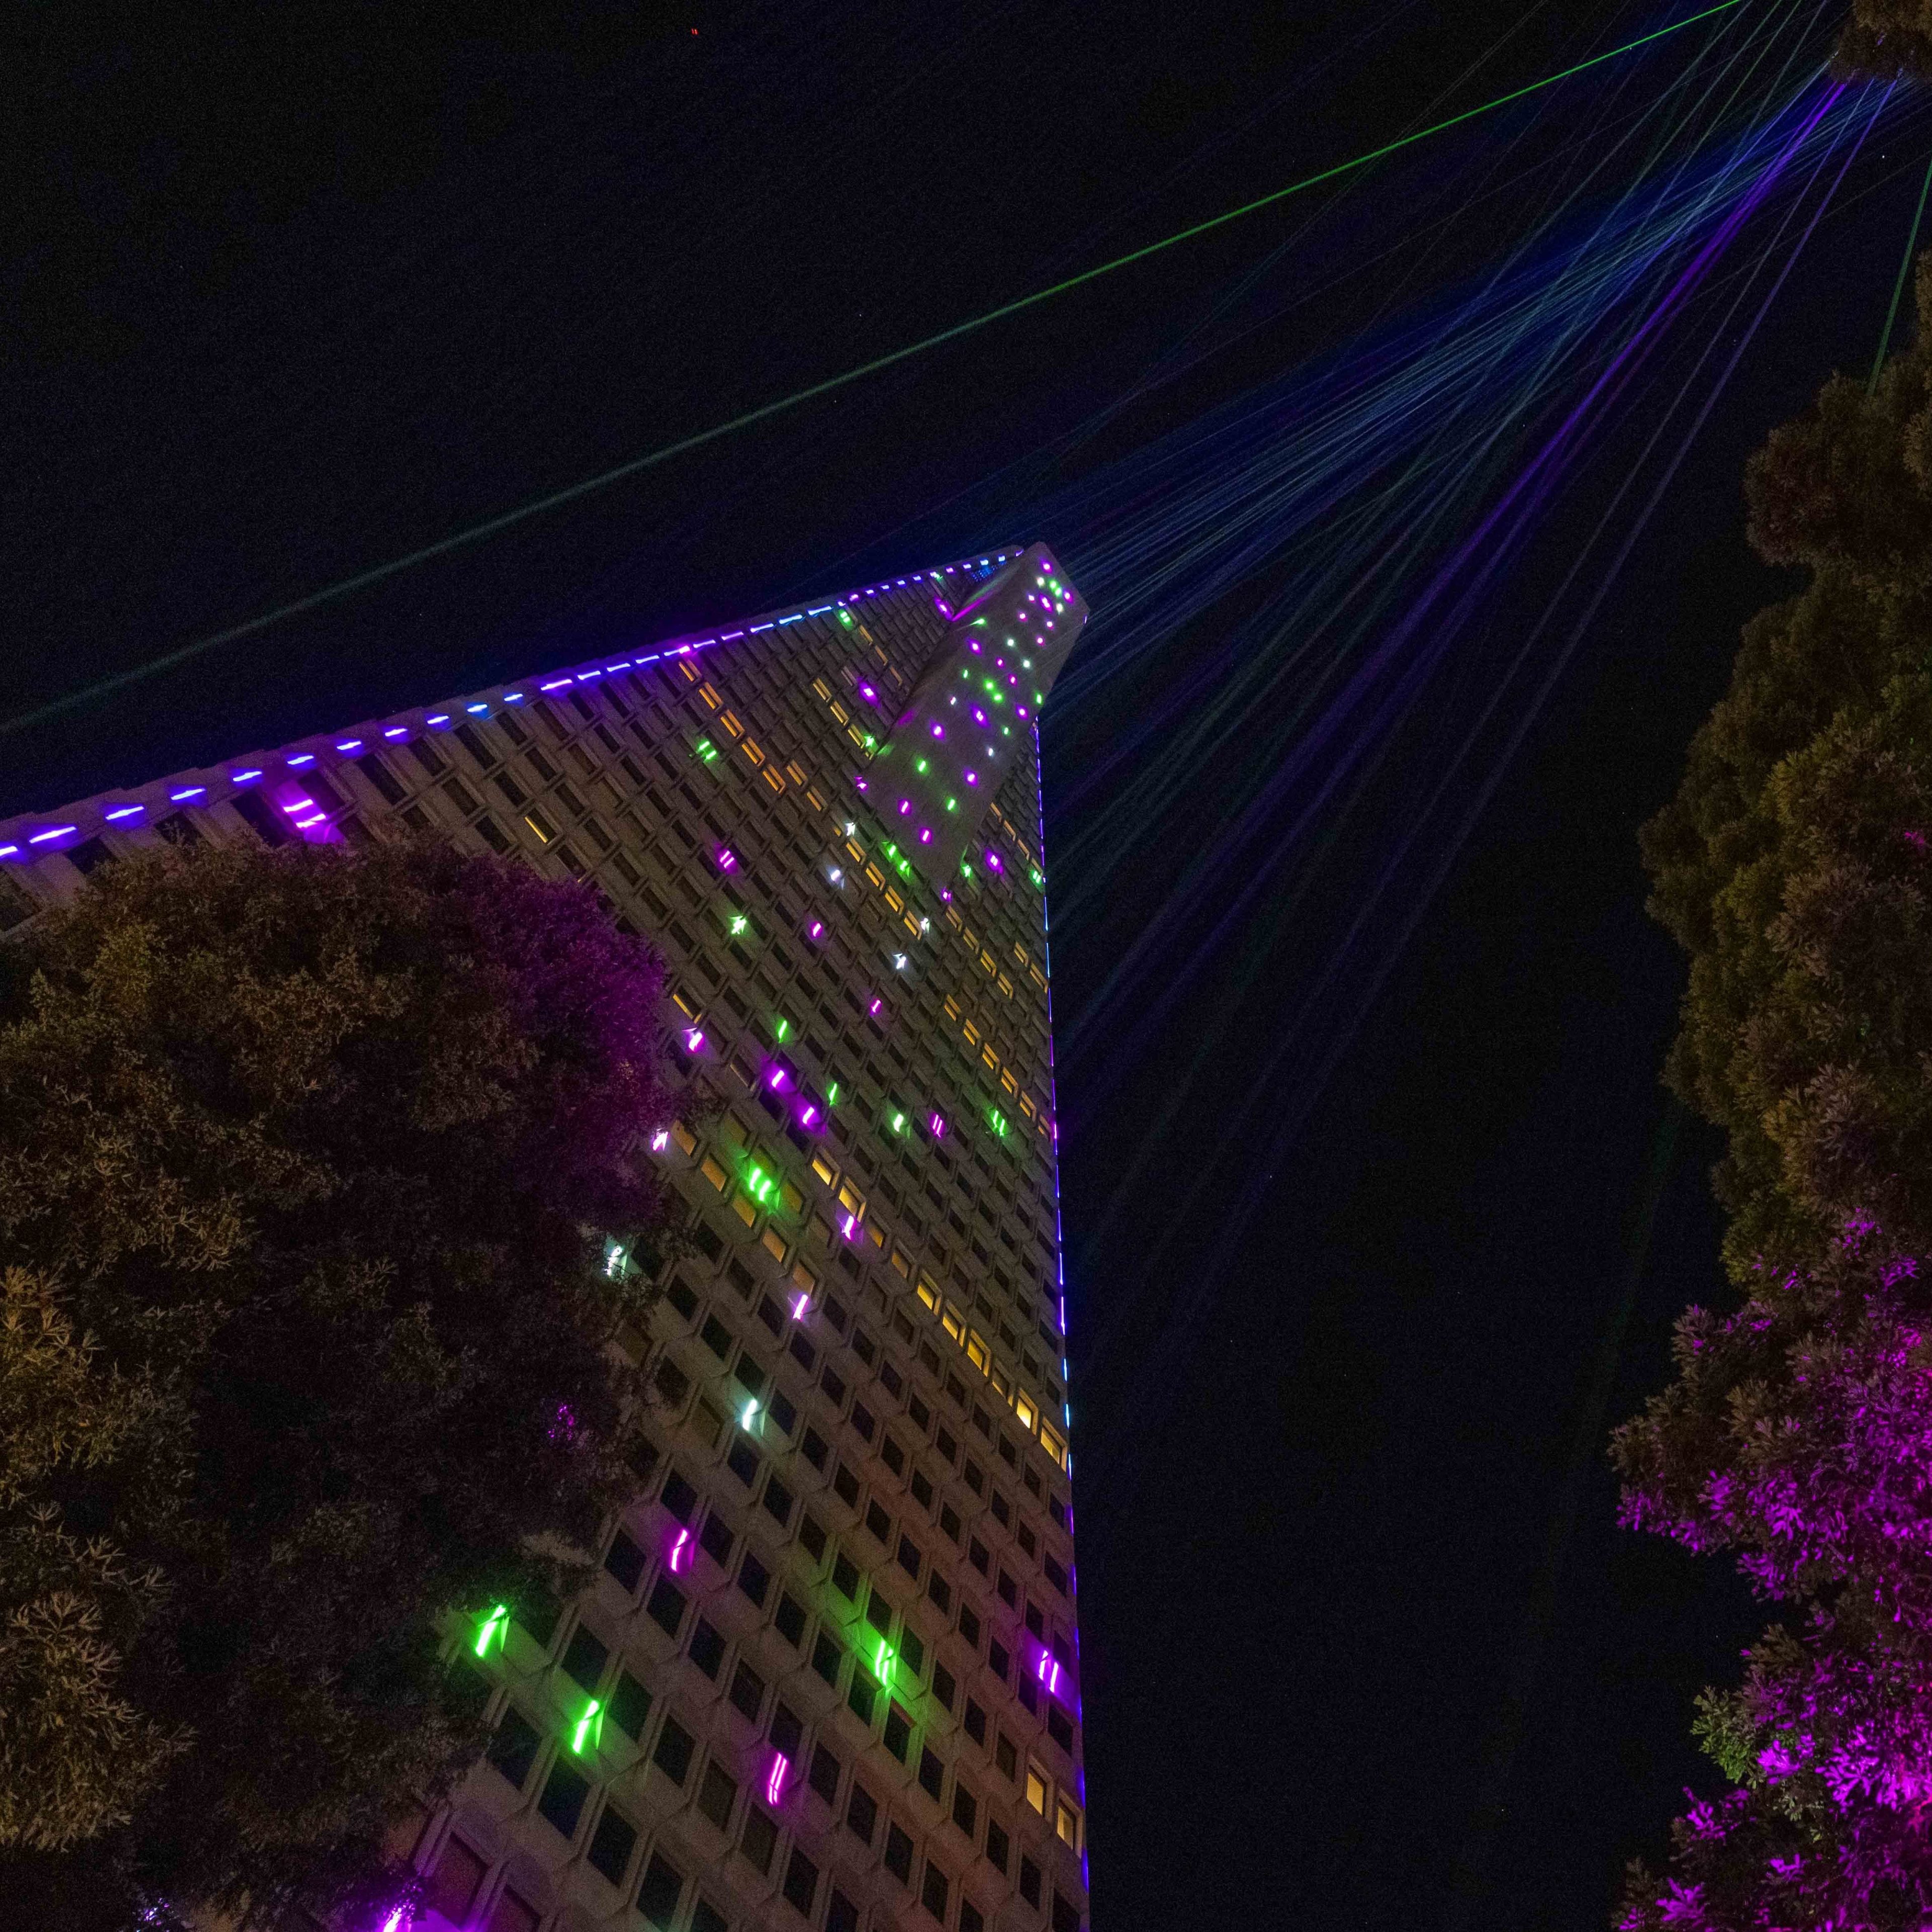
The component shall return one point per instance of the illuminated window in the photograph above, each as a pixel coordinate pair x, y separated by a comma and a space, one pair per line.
1038, 1788
714, 1173
774, 1245
1067, 1822
744, 1208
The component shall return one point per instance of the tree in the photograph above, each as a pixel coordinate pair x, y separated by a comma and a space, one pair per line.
1794, 866
1886, 40
308, 1149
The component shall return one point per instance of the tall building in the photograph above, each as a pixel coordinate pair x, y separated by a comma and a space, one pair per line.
828, 1673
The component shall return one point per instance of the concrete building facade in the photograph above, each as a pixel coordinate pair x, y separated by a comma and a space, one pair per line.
828, 1675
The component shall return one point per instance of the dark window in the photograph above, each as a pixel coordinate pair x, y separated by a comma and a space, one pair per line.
998, 1848
939, 1591
705, 1917
803, 1353
717, 1793
379, 775
679, 1497
922, 1490
1036, 1622
898, 1854
879, 1613
717, 1539
932, 1772
975, 1477
665, 1606
860, 1696
863, 1421
845, 1485
514, 1748
864, 1347
426, 755
584, 1658
965, 1810
754, 1579
788, 1733
997, 1659
916, 1408
862, 1813
777, 1502
812, 1535
1060, 1727
975, 1723
1002, 1509
768, 1313
611, 1845
942, 1686
742, 1461
970, 1918
1066, 1914
826, 1659
716, 1337
658, 1896
842, 1915
878, 1522
679, 1296
948, 1521
1056, 1576
845, 1577
898, 1732
538, 1612
832, 1383
932, 1894
459, 1871
749, 1376
912, 1647
1029, 1880
826, 1772
1007, 1757
707, 1648
969, 1623
625, 1561
747, 1691
910, 1556
835, 1313
801, 1882
564, 1791
813, 1446
978, 1555
781, 1411
790, 1620
630, 1705
672, 1755
758, 1837
1009, 1591
894, 1457
674, 1384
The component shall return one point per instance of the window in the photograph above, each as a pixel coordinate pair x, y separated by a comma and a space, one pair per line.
630, 1705
898, 1732
878, 1522
611, 1845
561, 1804
898, 1854
813, 1446
998, 1847
1066, 1914
742, 1461
717, 1793
452, 1886
811, 1534
514, 1912
672, 1755
970, 1918
846, 1485
754, 1579
942, 1686
513, 1749
939, 1591
975, 1723
679, 1497
826, 1659
933, 1894
658, 1896
584, 1658
777, 1502
790, 1619
863, 1421
747, 1691
860, 1697
979, 1557
1007, 1757
1056, 1576
921, 1489
997, 1660
862, 1813
949, 1521
1036, 1622
665, 1606
1060, 1727
1029, 1880
801, 1882
932, 1773
1039, 1787
911, 1557
717, 1540
624, 1562
705, 1917
788, 1733
758, 1838
841, 1916
826, 1772
1067, 1822
845, 1577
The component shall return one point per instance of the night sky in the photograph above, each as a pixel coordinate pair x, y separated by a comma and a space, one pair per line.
1362, 1645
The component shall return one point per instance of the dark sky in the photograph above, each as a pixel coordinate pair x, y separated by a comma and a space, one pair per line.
283, 297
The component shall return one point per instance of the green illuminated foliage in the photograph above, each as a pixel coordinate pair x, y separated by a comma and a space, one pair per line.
303, 1147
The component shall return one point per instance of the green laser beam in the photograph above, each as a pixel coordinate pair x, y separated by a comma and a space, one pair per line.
476, 532
1898, 286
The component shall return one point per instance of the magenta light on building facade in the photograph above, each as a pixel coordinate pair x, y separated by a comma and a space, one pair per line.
775, 1783
680, 1558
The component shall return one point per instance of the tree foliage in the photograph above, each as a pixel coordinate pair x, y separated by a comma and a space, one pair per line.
1794, 866
306, 1341
1886, 40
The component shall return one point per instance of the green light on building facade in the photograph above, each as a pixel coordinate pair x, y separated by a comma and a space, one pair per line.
590, 1731
494, 1628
